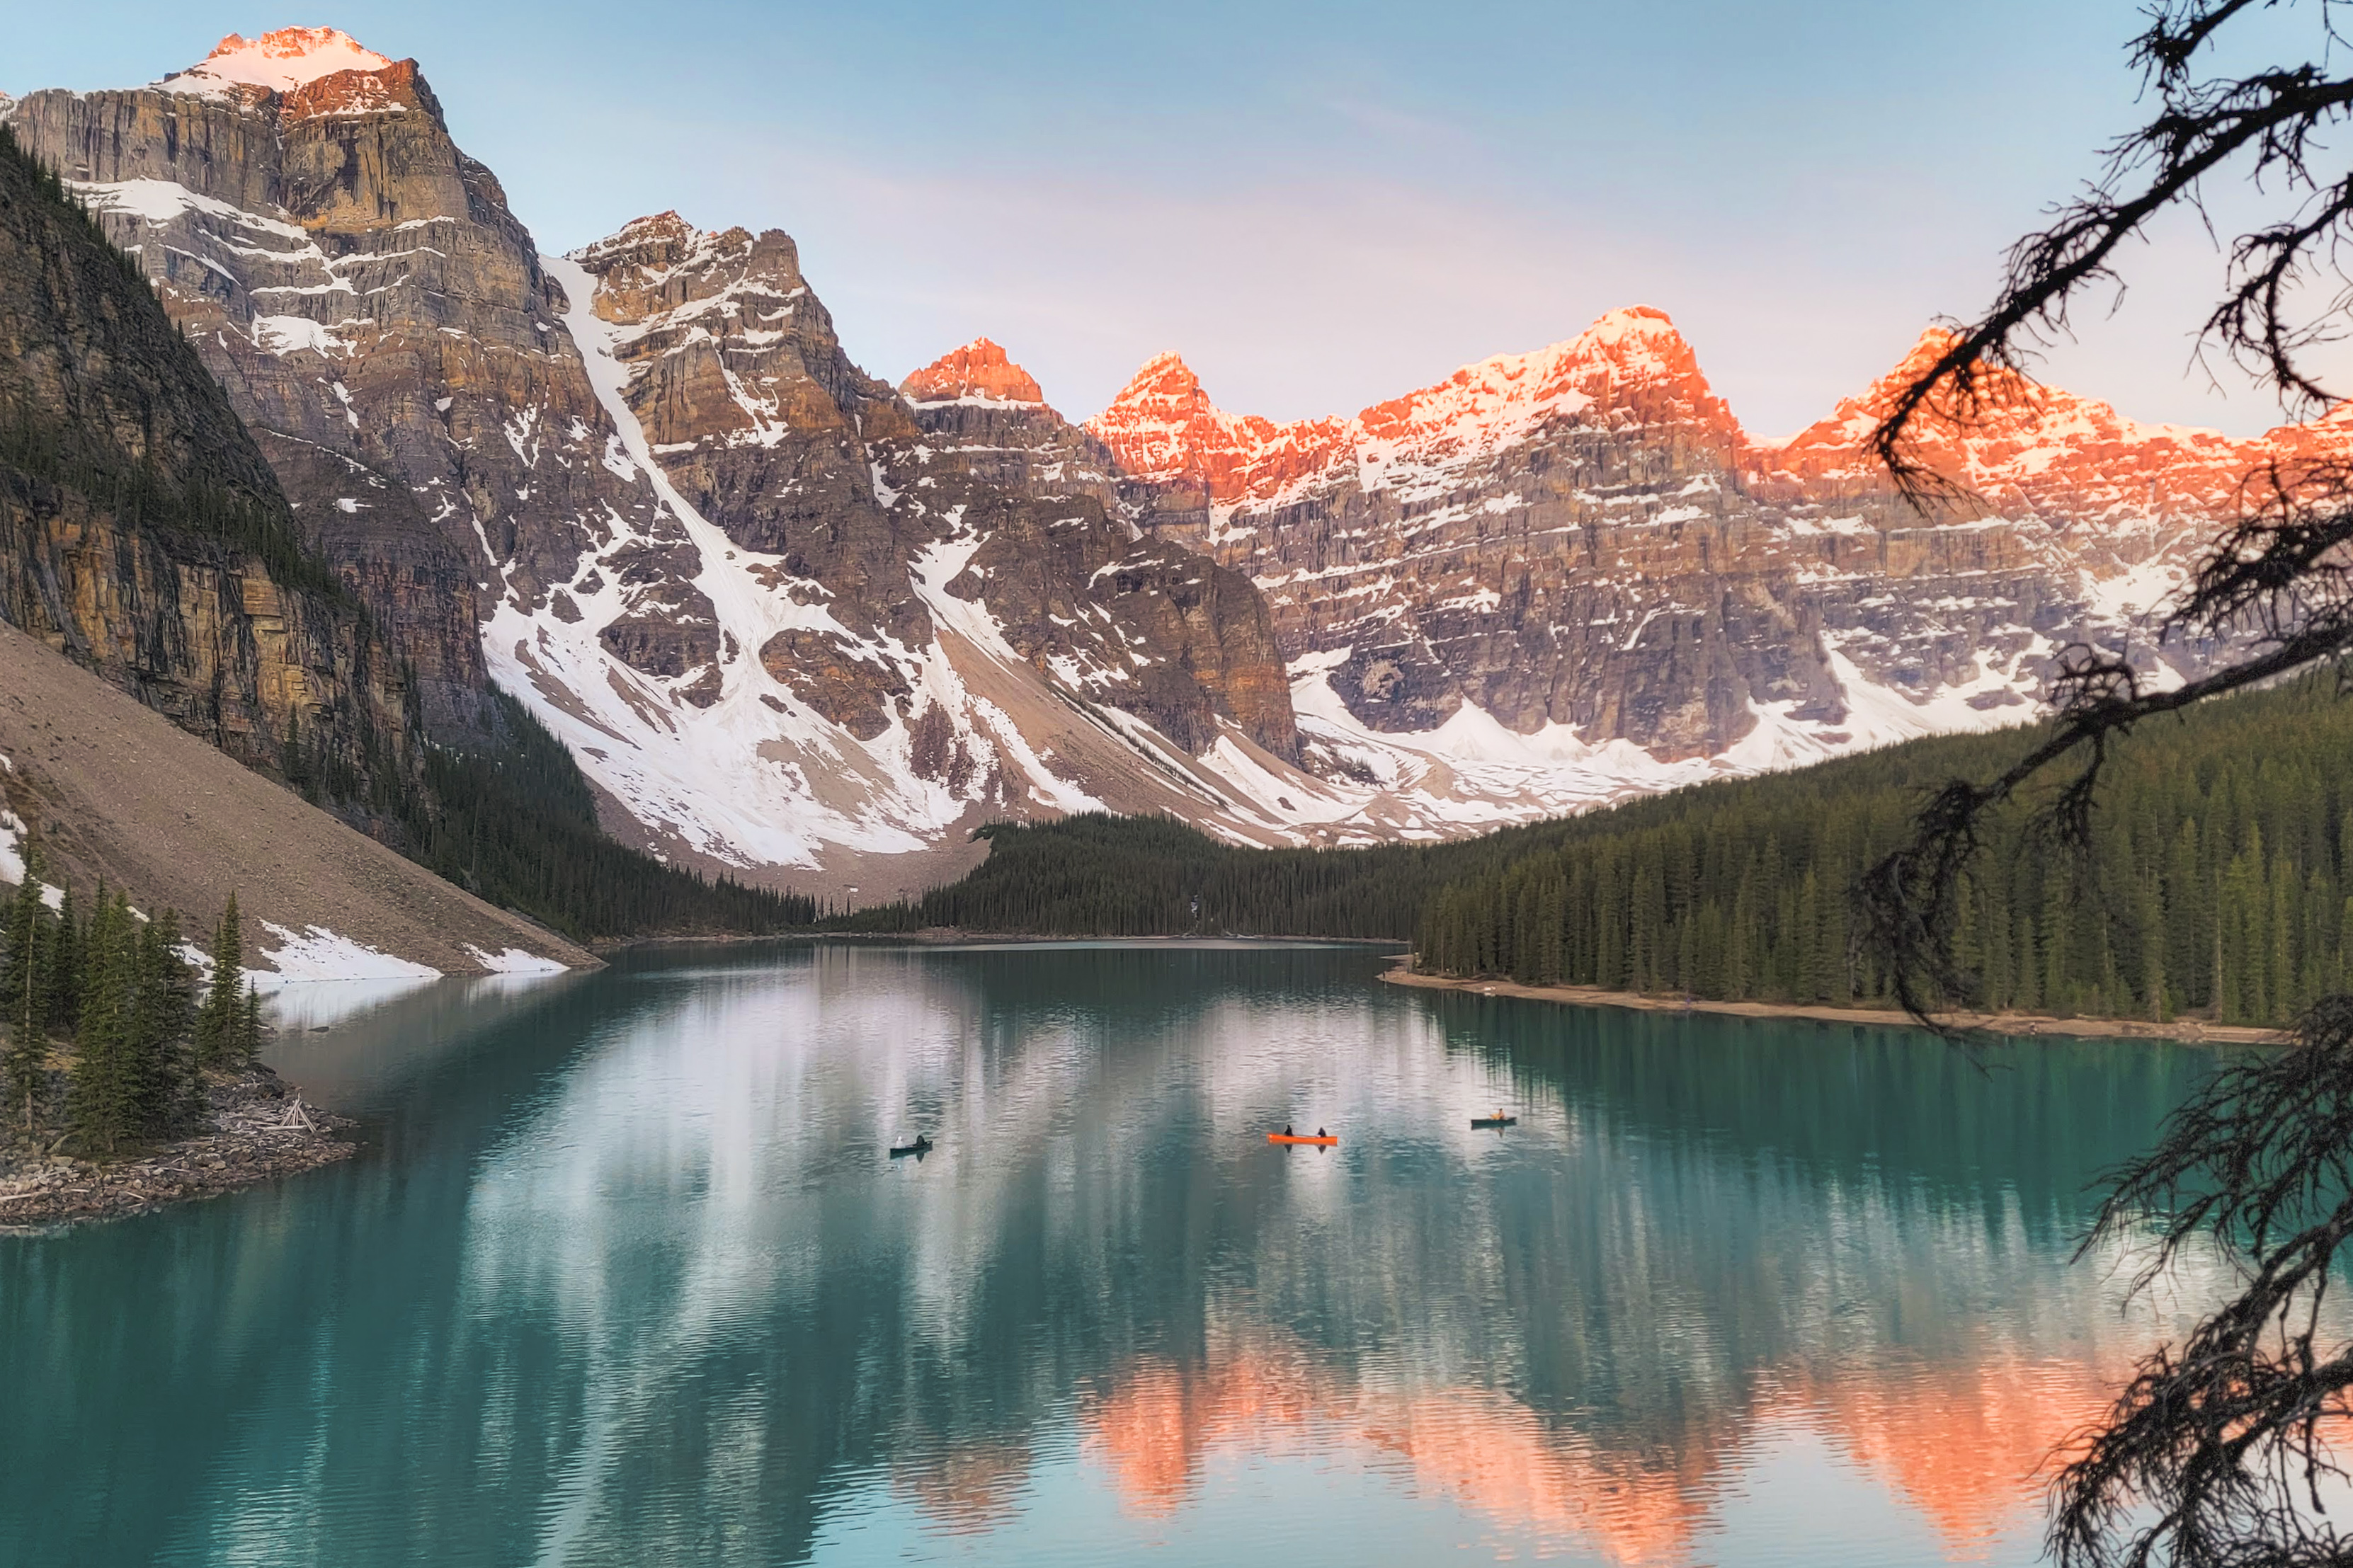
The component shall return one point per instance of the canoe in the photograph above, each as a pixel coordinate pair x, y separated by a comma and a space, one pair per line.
1292, 1138
921, 1146
1495, 1121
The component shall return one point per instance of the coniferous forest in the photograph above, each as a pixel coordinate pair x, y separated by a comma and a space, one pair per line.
2217, 883
106, 1032
516, 824
1098, 875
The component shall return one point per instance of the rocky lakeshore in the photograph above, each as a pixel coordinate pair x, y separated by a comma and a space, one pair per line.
259, 1129
2010, 1025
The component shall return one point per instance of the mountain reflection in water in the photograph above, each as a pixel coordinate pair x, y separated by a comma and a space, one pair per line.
626, 1276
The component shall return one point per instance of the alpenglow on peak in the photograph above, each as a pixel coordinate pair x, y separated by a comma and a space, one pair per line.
279, 61
979, 372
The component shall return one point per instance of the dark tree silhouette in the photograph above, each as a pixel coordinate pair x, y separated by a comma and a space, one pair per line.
2216, 1452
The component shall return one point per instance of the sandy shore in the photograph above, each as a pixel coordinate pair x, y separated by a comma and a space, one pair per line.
245, 1146
2011, 1024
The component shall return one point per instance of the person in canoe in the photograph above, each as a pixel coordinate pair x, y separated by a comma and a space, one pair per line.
1321, 1133
1287, 1132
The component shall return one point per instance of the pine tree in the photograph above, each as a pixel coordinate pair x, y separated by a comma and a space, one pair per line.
24, 984
161, 1016
103, 1098
217, 1021
1813, 975
249, 1030
175, 1009
65, 966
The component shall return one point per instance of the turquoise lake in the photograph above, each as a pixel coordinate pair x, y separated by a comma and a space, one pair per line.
623, 1275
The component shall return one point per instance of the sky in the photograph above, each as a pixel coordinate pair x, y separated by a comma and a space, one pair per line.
1321, 205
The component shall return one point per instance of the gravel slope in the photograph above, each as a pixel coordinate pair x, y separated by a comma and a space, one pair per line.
120, 791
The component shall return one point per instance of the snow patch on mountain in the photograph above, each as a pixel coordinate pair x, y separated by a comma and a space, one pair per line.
317, 953
514, 961
11, 857
755, 778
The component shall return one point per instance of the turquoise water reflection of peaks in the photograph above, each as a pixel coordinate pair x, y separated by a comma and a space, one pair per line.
624, 1276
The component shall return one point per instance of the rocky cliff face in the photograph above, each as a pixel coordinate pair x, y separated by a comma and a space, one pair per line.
912, 612
379, 317
1147, 625
143, 533
754, 410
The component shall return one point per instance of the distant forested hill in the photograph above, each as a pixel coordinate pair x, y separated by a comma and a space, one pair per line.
2218, 881
1098, 875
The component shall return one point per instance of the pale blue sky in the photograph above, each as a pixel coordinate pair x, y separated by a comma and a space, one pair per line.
1320, 205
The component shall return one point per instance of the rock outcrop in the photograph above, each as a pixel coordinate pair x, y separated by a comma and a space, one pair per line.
975, 375
141, 532
1150, 626
757, 415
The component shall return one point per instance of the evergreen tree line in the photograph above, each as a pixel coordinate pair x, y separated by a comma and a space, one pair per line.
516, 824
2220, 880
117, 993
49, 186
46, 451
1095, 874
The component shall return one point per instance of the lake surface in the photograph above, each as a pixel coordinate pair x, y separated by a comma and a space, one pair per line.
624, 1276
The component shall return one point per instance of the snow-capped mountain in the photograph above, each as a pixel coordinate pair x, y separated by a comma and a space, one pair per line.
792, 623
811, 627
1582, 542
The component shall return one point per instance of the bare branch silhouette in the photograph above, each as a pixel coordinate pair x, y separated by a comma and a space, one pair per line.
2215, 1454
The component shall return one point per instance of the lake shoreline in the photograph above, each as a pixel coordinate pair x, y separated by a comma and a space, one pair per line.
247, 1143
942, 936
2015, 1026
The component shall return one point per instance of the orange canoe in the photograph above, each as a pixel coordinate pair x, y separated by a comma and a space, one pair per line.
1288, 1138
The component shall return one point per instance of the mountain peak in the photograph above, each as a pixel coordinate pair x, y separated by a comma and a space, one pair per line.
657, 239
979, 372
279, 61
1630, 368
660, 224
2028, 447
1638, 321
1163, 376
1162, 427
1632, 365
1641, 338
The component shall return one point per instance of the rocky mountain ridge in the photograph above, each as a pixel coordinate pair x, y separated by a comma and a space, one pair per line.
646, 488
1585, 539
802, 625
